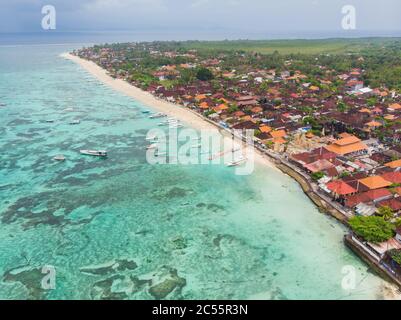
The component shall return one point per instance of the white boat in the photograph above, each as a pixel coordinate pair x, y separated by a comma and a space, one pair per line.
157, 141
158, 115
95, 153
59, 157
236, 162
153, 137
74, 122
176, 126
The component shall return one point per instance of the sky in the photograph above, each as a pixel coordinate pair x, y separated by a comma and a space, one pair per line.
239, 18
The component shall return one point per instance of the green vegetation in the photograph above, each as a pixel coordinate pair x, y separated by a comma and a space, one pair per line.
372, 229
317, 175
288, 46
204, 74
386, 212
395, 255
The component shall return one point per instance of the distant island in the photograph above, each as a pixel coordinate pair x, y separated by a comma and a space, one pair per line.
327, 112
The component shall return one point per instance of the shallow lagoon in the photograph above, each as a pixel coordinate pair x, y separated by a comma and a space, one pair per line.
123, 229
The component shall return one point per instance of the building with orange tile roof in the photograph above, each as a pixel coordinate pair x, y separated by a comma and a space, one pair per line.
265, 129
394, 164
373, 124
204, 105
395, 106
365, 110
390, 117
278, 134
200, 97
375, 182
257, 110
348, 145
221, 107
279, 140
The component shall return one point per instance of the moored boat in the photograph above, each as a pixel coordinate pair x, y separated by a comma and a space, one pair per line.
59, 157
95, 153
158, 115
236, 162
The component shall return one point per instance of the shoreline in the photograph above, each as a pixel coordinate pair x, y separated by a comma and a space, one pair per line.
187, 116
197, 121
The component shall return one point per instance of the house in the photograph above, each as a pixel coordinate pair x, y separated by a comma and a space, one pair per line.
394, 164
347, 145
340, 189
393, 204
394, 107
394, 177
372, 196
354, 85
375, 182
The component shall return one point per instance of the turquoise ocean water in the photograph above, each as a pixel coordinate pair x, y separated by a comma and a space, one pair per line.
123, 229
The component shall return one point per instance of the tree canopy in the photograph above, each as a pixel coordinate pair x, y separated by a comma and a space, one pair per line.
373, 229
204, 74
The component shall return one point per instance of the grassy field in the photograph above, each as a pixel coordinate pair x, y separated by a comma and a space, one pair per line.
333, 46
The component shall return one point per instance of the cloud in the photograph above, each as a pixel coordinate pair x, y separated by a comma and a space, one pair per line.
242, 17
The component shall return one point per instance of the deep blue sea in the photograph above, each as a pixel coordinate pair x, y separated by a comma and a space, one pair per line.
120, 228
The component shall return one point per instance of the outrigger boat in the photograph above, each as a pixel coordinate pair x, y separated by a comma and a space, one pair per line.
145, 111
59, 157
236, 162
158, 115
176, 125
95, 153
74, 122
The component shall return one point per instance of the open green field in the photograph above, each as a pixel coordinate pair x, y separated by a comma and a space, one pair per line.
334, 46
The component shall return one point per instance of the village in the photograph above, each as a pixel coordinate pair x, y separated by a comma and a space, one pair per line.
334, 127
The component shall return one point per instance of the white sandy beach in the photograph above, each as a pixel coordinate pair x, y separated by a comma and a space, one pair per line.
190, 118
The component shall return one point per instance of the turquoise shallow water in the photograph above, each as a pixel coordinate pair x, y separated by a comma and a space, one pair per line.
123, 229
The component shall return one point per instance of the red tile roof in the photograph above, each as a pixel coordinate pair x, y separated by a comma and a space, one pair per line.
340, 187
394, 177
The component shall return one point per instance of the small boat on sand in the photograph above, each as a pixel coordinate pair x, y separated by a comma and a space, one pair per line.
95, 153
59, 157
